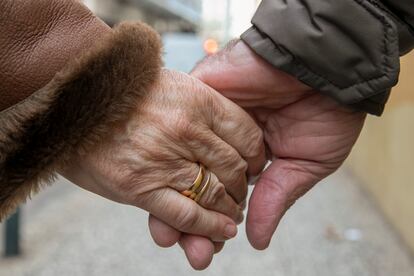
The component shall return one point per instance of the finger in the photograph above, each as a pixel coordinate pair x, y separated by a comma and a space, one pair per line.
238, 129
187, 216
233, 125
218, 246
162, 234
279, 187
216, 198
166, 236
198, 250
222, 160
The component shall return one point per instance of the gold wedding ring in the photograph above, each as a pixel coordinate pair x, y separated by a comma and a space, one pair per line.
200, 185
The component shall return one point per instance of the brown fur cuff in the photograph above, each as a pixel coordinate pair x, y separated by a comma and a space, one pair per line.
75, 110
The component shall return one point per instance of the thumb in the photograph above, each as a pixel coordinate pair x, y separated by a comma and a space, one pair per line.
220, 70
278, 188
207, 69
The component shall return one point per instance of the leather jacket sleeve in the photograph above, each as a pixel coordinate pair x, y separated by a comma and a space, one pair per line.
37, 39
66, 78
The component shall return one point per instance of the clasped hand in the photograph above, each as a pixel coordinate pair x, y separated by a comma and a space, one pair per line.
148, 161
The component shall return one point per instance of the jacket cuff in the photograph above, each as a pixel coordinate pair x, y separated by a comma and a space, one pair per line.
347, 49
404, 13
75, 110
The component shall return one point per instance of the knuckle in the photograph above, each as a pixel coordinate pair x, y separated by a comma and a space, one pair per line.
242, 167
216, 109
183, 127
212, 109
187, 219
231, 159
189, 131
179, 171
238, 170
218, 192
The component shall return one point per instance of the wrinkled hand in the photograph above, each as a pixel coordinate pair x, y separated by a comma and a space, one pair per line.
308, 136
149, 160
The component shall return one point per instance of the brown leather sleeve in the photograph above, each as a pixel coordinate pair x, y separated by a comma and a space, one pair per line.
66, 78
76, 110
37, 38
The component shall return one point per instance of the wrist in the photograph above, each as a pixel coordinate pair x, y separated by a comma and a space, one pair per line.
90, 172
241, 75
286, 82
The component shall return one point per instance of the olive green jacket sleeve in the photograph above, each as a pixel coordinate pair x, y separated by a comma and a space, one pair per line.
348, 49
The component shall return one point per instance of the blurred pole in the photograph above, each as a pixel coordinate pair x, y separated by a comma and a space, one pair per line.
12, 235
227, 25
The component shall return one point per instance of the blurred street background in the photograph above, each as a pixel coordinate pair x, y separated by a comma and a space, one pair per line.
360, 221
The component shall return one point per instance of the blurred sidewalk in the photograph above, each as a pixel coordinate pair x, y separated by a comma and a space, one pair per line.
334, 230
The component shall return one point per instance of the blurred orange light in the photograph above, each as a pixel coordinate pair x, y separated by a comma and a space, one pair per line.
211, 46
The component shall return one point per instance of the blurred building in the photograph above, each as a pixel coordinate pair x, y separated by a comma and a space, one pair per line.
163, 15
227, 19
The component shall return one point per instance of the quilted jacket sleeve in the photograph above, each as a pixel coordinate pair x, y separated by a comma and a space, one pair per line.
348, 49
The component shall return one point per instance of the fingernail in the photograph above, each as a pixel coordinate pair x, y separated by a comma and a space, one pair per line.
230, 231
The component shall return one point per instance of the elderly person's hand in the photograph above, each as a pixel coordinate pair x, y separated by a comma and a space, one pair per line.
151, 159
308, 136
